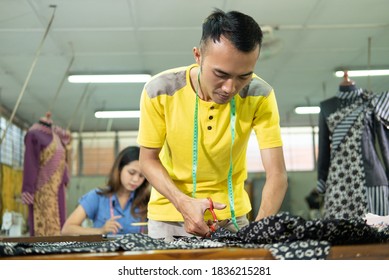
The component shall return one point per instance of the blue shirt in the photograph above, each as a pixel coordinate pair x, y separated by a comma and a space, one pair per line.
98, 208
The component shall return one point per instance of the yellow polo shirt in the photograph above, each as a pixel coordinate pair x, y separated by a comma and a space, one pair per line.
167, 120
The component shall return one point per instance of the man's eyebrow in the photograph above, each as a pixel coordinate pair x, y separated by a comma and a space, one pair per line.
228, 74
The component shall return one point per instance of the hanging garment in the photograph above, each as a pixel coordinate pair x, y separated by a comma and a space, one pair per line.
10, 190
353, 162
45, 176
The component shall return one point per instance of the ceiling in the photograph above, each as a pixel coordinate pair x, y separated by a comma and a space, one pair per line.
305, 41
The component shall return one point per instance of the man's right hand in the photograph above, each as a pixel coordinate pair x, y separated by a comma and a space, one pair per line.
193, 212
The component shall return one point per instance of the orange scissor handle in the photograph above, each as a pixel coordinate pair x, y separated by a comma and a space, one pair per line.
212, 228
215, 220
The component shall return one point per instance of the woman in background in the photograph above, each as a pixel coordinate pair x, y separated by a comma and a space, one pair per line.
117, 208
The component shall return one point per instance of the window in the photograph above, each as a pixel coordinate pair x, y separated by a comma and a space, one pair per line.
12, 146
94, 152
299, 145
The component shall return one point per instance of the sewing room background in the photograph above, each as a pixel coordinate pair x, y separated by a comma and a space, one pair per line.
56, 143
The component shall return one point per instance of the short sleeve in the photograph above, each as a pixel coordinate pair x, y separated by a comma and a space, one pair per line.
90, 202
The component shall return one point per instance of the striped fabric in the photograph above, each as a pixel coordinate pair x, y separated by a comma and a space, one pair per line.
27, 198
349, 95
341, 130
378, 197
321, 186
382, 108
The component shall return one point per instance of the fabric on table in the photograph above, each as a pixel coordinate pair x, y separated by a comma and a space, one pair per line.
284, 235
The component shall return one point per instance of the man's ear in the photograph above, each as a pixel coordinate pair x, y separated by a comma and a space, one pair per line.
196, 55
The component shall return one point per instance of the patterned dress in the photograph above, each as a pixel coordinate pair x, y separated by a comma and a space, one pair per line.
353, 163
45, 176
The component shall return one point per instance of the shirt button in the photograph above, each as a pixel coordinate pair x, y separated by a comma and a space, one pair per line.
210, 117
212, 107
209, 127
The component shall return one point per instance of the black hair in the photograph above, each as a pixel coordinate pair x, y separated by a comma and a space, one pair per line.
240, 29
142, 193
128, 155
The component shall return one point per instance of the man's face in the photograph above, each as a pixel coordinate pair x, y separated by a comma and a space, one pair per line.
224, 70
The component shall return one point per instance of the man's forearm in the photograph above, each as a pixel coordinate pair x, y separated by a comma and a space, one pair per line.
273, 195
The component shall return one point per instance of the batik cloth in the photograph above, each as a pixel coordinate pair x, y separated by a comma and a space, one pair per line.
284, 235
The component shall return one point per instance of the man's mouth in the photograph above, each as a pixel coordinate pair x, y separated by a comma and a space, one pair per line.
224, 97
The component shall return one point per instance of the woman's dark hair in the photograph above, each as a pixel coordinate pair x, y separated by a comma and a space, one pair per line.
240, 29
142, 193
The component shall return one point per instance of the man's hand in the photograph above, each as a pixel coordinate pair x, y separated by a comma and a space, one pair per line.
193, 212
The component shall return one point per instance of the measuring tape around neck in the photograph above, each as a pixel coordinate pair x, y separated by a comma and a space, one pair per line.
195, 152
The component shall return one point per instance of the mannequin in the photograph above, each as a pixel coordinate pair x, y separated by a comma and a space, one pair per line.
352, 134
45, 176
346, 80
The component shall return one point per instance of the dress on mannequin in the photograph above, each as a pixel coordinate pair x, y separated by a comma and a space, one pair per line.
353, 161
45, 176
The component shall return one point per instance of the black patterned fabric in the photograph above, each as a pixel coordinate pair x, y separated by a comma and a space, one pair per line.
353, 133
284, 235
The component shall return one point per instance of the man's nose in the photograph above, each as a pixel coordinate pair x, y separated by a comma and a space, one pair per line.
229, 86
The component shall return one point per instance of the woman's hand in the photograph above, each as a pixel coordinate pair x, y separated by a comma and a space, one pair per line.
112, 226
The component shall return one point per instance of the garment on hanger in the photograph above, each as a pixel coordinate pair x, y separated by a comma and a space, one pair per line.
353, 162
45, 176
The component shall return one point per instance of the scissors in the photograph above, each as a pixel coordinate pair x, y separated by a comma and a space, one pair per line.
212, 227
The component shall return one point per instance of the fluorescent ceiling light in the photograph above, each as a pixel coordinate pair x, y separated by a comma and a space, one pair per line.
130, 78
303, 110
117, 114
363, 73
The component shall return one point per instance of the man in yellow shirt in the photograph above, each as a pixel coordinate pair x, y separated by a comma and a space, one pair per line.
194, 129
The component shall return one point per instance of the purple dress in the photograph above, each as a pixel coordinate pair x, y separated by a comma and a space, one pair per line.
45, 176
